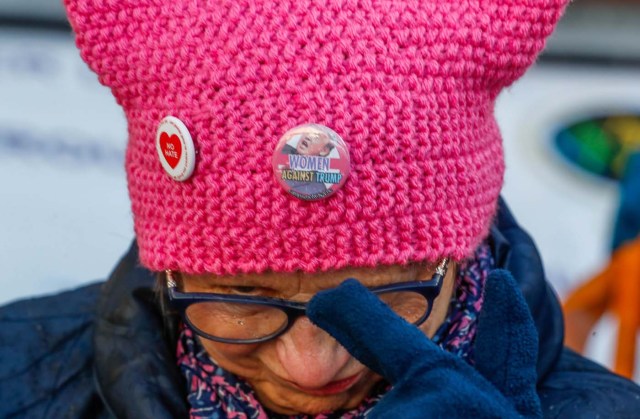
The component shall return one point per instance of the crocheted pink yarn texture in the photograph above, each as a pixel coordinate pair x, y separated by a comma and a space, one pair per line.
409, 85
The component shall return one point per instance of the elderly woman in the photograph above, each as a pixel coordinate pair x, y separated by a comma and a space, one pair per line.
404, 287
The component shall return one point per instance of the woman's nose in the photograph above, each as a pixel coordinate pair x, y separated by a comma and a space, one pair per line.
310, 356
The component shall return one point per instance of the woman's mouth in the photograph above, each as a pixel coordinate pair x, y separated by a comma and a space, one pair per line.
333, 387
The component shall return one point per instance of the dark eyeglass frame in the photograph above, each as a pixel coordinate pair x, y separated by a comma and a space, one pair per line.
180, 301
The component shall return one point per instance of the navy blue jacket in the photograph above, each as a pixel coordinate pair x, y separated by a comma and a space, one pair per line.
107, 349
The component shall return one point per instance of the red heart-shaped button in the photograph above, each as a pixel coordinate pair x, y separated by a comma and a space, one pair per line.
171, 149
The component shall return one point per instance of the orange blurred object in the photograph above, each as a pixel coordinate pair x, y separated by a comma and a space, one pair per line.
615, 290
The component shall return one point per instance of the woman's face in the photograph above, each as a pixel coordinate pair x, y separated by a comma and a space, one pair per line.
305, 370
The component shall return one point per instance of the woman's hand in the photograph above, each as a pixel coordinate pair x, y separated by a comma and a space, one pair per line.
427, 381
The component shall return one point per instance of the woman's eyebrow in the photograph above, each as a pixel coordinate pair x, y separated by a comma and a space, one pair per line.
388, 278
236, 281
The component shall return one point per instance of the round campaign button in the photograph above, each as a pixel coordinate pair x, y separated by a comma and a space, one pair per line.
175, 148
311, 162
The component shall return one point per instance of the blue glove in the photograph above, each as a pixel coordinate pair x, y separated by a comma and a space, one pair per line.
428, 381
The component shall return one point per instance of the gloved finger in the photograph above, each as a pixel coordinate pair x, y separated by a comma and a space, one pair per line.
506, 346
371, 331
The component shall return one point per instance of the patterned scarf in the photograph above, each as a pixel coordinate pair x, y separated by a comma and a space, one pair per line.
216, 393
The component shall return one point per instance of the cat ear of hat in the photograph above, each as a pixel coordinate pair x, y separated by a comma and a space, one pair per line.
409, 86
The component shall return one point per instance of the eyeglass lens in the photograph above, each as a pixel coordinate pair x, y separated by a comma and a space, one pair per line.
236, 320
409, 305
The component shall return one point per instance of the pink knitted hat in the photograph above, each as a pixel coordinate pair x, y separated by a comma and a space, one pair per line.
409, 86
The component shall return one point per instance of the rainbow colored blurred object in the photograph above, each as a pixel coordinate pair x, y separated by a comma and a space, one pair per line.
600, 145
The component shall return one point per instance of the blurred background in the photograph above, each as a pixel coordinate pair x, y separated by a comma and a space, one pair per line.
569, 125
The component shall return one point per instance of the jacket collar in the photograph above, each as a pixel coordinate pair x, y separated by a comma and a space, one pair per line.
133, 356
514, 250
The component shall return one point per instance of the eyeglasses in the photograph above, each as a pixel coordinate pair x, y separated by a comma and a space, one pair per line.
231, 318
